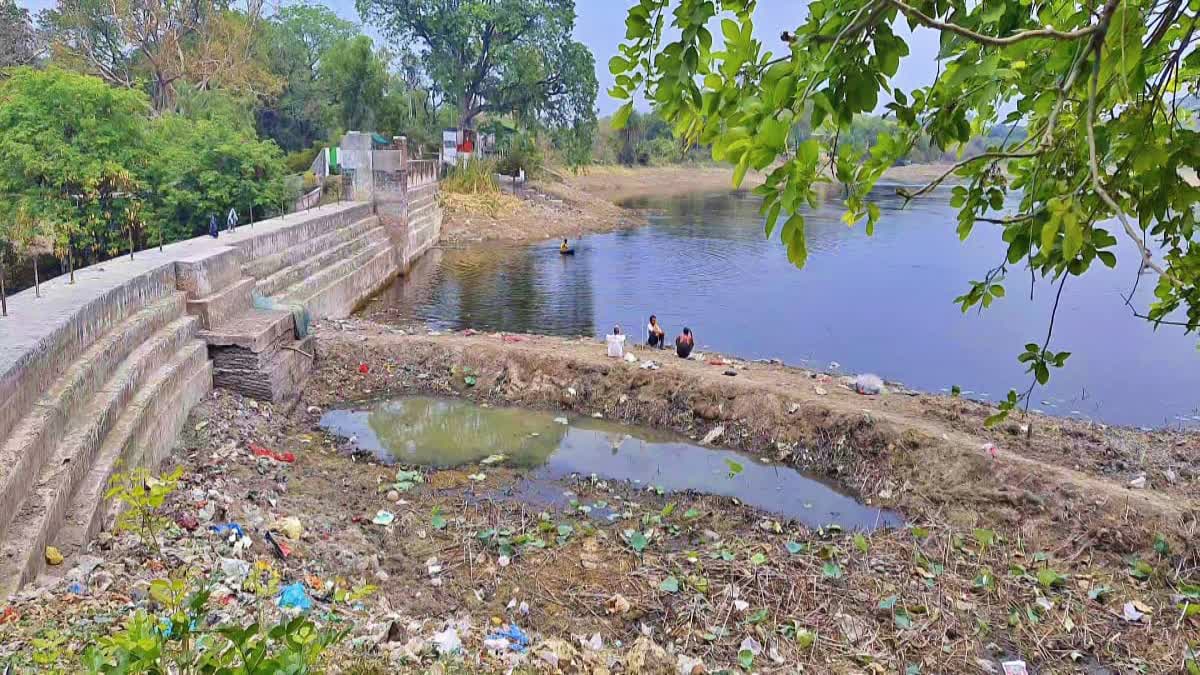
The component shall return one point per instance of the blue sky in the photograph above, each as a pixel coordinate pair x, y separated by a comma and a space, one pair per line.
601, 26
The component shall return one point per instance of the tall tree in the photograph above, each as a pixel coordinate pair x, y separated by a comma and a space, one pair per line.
1097, 85
18, 41
207, 42
498, 56
355, 77
298, 37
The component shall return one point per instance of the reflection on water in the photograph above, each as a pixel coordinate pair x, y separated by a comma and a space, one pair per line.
447, 432
880, 304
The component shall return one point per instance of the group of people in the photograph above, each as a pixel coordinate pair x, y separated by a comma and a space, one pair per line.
655, 337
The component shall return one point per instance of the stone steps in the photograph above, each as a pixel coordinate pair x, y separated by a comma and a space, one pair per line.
153, 431
223, 305
353, 239
267, 266
37, 434
338, 289
144, 376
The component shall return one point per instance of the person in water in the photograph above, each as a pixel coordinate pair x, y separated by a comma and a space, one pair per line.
564, 248
684, 343
655, 335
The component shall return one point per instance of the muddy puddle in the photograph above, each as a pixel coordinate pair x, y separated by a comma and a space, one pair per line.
550, 449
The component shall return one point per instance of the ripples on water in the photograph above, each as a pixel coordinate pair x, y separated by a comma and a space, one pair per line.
880, 304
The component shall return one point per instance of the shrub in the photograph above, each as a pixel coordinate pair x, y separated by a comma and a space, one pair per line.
473, 178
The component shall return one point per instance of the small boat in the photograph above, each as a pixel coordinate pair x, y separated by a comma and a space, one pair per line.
566, 251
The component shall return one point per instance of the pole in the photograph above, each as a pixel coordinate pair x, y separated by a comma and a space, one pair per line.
37, 284
3, 295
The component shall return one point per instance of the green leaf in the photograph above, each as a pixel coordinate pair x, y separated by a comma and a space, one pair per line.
669, 585
691, 514
757, 617
1050, 578
831, 570
889, 602
794, 547
1073, 239
746, 659
805, 639
758, 558
621, 117
861, 543
734, 468
636, 540
618, 65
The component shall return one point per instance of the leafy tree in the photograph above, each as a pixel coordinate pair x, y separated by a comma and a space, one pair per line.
206, 42
1096, 84
69, 158
298, 37
203, 167
355, 77
498, 56
18, 41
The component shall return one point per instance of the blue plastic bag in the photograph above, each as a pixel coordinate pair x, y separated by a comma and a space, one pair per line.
295, 596
518, 640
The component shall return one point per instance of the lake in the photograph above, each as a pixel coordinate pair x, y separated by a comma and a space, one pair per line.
881, 304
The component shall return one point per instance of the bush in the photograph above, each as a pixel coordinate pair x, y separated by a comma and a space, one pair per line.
521, 153
475, 177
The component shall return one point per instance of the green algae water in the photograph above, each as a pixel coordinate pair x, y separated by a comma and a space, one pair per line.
446, 433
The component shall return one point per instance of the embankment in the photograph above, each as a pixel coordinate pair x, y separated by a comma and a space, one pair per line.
922, 454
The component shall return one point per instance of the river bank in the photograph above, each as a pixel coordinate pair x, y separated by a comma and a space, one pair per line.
1022, 554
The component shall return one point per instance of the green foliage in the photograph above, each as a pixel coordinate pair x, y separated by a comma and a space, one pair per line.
141, 496
1107, 143
473, 178
498, 57
182, 640
521, 152
355, 77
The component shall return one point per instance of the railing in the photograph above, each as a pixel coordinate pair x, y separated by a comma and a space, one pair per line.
309, 200
422, 172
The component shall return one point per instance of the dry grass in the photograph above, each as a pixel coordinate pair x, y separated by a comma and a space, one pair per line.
493, 204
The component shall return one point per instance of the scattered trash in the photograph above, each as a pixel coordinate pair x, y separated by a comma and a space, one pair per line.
751, 645
1131, 613
260, 451
9, 614
493, 459
834, 365
235, 571
869, 385
713, 435
280, 548
1138, 483
291, 527
511, 638
503, 561
187, 522
1014, 668
594, 643
76, 588
364, 368
561, 420
819, 390
384, 518
295, 596
617, 605
630, 358
447, 641
1171, 476
990, 450
731, 372
53, 556
478, 477
649, 365
230, 529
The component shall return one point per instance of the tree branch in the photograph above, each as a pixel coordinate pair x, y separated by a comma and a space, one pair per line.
989, 40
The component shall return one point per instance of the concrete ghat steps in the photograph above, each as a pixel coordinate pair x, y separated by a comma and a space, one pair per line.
36, 435
153, 420
266, 266
111, 424
335, 291
354, 239
223, 305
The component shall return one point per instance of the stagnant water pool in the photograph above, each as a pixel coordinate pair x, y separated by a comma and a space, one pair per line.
450, 432
878, 304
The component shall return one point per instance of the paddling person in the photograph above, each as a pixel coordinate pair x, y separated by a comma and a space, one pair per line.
684, 343
655, 335
565, 248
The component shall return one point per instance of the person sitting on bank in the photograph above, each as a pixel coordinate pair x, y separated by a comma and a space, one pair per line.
655, 335
616, 343
684, 343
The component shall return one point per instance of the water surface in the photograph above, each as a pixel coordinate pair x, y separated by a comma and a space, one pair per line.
449, 432
878, 304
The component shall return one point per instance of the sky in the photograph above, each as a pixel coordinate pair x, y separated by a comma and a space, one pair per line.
601, 26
